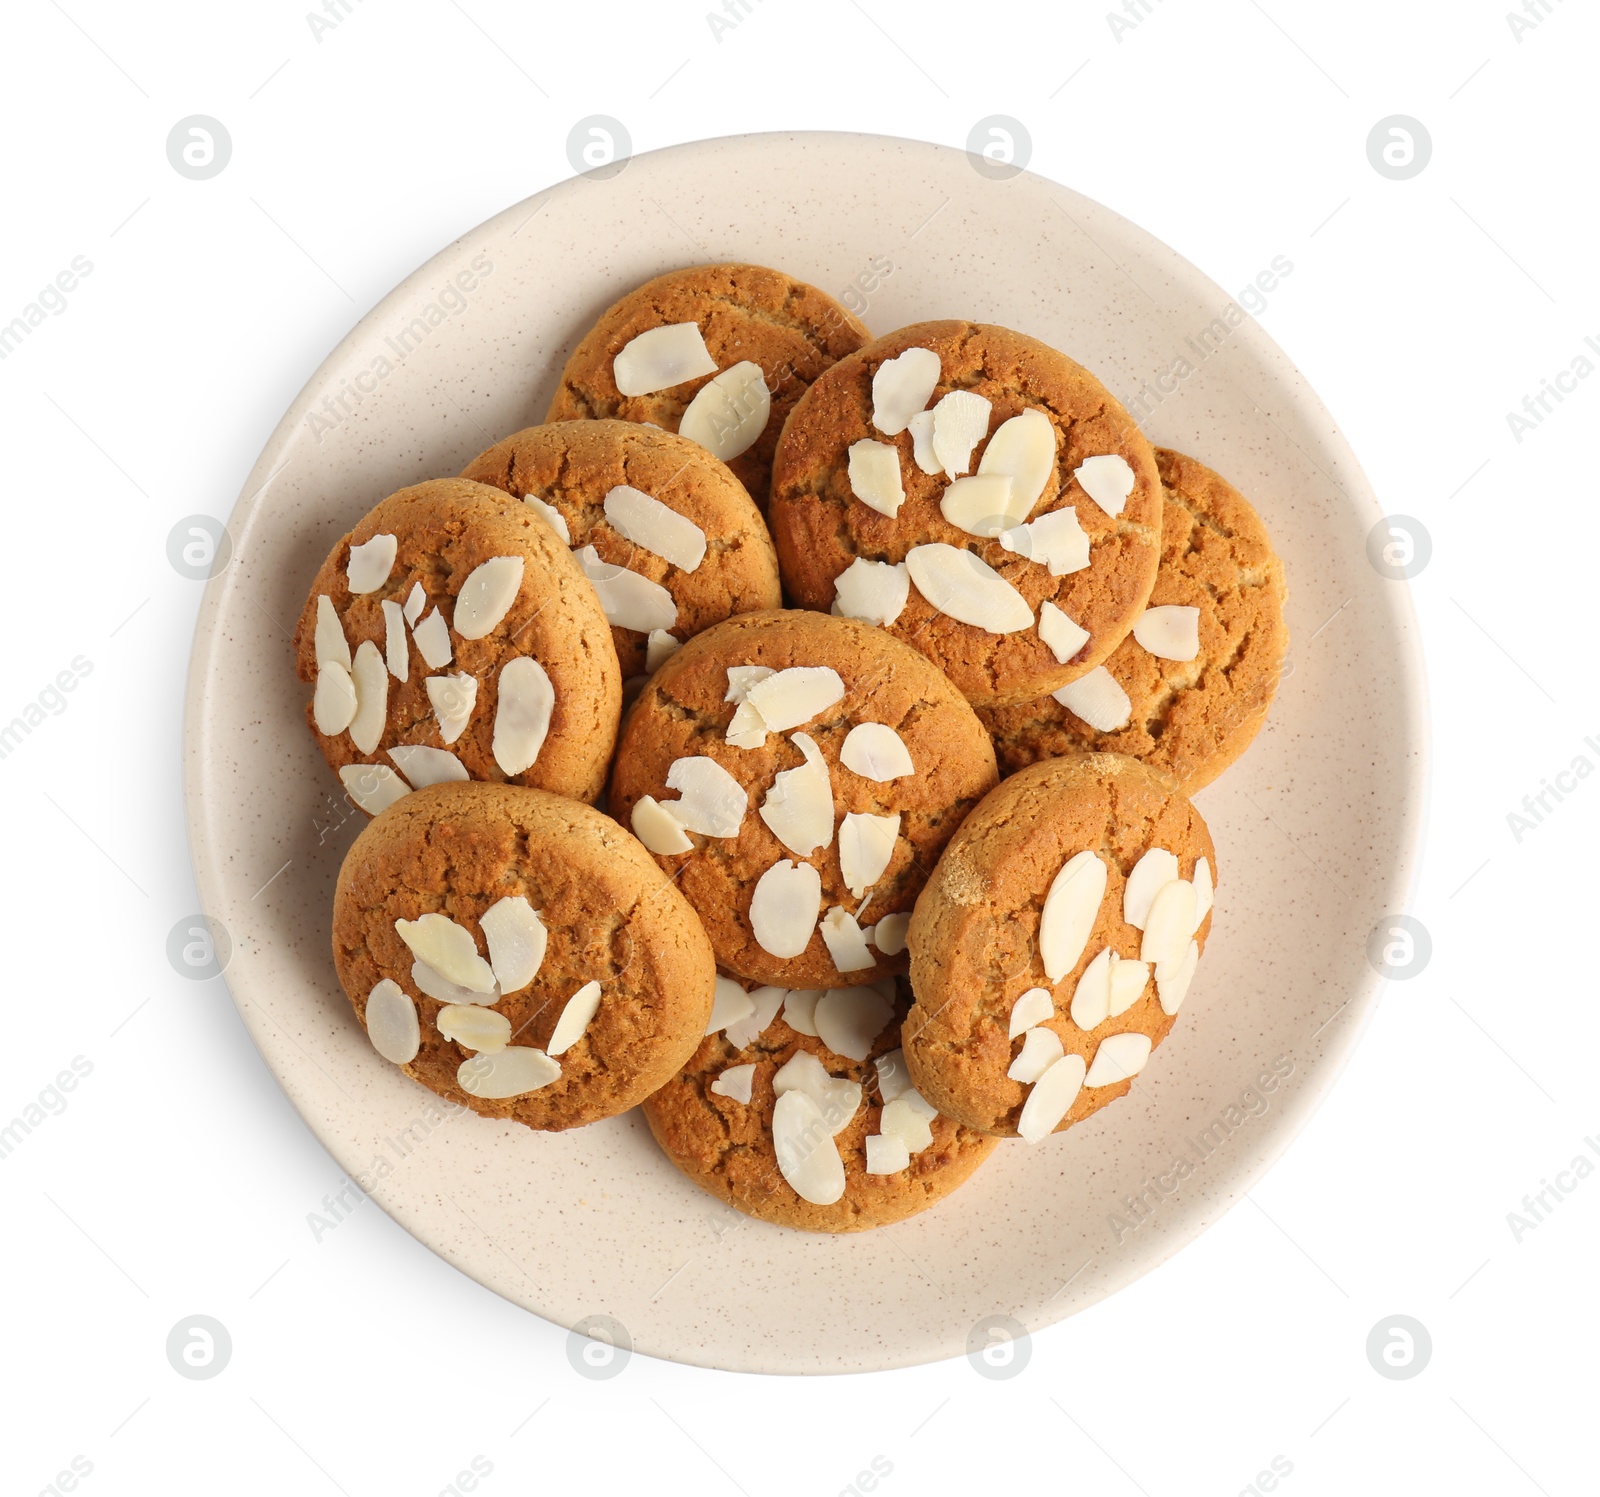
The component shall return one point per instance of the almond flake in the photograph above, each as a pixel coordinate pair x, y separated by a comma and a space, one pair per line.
474, 1027
432, 635
1168, 927
449, 949
524, 701
550, 515
576, 1015
512, 1072
424, 765
333, 704
742, 677
1051, 1099
1170, 631
850, 1019
396, 651
392, 1023
1091, 998
800, 1010
1041, 1049
908, 1117
416, 601
373, 787
517, 939
1128, 980
921, 428
1174, 989
784, 908
901, 387
798, 808
1204, 892
1068, 917
1024, 450
887, 1154
866, 844
729, 412
873, 591
1106, 479
875, 476
328, 643
960, 422
984, 504
735, 1083
889, 934
746, 729
808, 1158
442, 990
661, 357
370, 563
1032, 1008
629, 600
847, 947
1098, 700
660, 831
487, 595
1063, 635
1056, 539
968, 589
1119, 1058
370, 677
1156, 869
729, 1004
711, 801
764, 1005
894, 1080
659, 647
452, 699
838, 1099
876, 752
791, 697
660, 529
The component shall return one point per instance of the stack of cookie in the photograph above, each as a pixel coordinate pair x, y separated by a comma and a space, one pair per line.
813, 931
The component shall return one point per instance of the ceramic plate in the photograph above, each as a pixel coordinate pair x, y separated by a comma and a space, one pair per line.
1316, 827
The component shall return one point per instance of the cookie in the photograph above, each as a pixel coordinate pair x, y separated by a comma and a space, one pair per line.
1220, 590
628, 497
1054, 943
980, 496
451, 636
520, 954
853, 1145
797, 775
745, 344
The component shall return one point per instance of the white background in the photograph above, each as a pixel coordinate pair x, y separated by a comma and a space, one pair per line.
178, 1180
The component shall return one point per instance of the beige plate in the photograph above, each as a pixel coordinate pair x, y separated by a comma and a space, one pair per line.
1317, 828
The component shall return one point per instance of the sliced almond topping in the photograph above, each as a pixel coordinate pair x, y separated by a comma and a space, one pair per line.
784, 908
452, 698
746, 729
1119, 1057
646, 521
370, 678
1091, 999
1174, 989
875, 476
661, 357
512, 1072
901, 387
423, 765
968, 589
1169, 926
432, 635
1153, 872
1067, 919
800, 1010
874, 591
887, 1154
1056, 539
524, 701
921, 428
659, 830
983, 504
576, 1015
449, 949
742, 677
1051, 1098
838, 1099
735, 1083
866, 844
908, 1117
328, 642
764, 1005
808, 1158
876, 752
1024, 450
1128, 980
846, 945
373, 787
333, 704
960, 422
1032, 1008
443, 990
711, 801
659, 647
1106, 479
396, 652
474, 1027
370, 563
791, 697
729, 412
1170, 631
730, 1004
1041, 1049
487, 595
894, 1080
850, 1019
629, 600
517, 939
1098, 700
1204, 892
1063, 635
416, 601
889, 934
392, 1023
799, 807
550, 515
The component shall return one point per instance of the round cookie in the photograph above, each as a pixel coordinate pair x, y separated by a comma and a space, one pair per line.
728, 567
975, 942
1192, 718
727, 1146
730, 864
744, 312
542, 654
822, 527
462, 851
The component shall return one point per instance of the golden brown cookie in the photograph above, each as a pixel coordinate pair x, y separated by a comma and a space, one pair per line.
880, 756
1019, 581
1041, 917
1192, 717
451, 636
520, 954
862, 1146
744, 313
711, 557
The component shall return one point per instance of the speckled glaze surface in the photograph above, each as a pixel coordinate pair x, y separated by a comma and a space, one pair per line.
1317, 827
